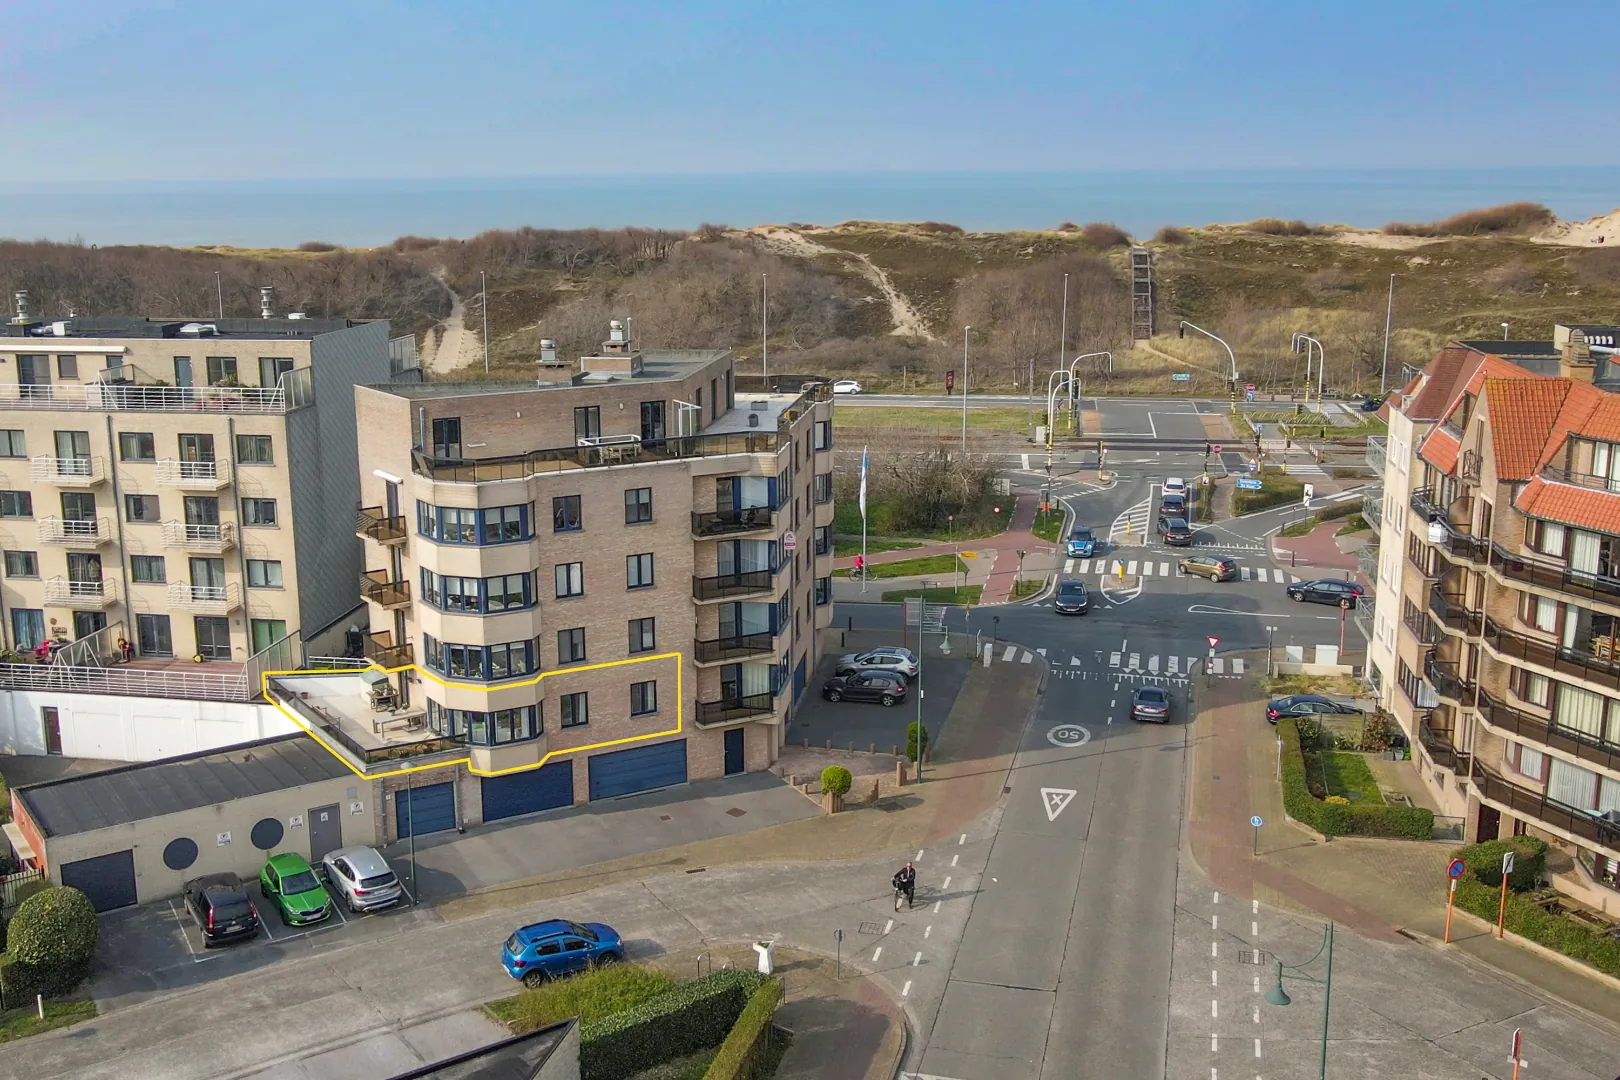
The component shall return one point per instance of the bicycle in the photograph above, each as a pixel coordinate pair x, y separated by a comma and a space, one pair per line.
858, 573
910, 898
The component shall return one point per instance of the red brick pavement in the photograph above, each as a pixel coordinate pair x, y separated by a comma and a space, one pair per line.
1316, 548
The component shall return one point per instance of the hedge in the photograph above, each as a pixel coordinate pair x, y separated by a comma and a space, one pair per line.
745, 1050
1346, 818
836, 780
51, 939
1530, 921
916, 740
689, 1018
1484, 861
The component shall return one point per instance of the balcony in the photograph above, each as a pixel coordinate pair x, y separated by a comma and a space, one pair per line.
120, 393
1580, 479
74, 532
65, 592
374, 524
1554, 576
193, 475
381, 648
1519, 648
732, 710
1372, 508
203, 539
1504, 719
1377, 453
71, 472
204, 599
733, 522
375, 586
593, 455
734, 586
1448, 681
1422, 503
735, 648
1578, 826
1450, 612
1438, 743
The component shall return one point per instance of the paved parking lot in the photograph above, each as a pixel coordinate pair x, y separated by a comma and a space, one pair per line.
866, 723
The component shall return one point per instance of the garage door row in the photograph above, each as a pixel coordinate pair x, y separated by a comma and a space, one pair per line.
432, 808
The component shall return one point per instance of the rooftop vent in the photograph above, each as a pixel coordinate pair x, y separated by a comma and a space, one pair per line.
197, 329
548, 351
22, 307
296, 315
266, 302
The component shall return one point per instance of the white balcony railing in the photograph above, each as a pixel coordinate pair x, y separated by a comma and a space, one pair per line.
127, 681
196, 475
135, 397
204, 599
68, 471
213, 539
80, 593
74, 532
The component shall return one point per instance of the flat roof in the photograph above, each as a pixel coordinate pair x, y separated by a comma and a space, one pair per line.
657, 365
81, 804
120, 326
520, 1057
768, 407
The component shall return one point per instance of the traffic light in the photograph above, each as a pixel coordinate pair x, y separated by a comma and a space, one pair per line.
1206, 449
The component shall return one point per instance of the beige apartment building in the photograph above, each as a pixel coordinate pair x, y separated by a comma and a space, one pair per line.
182, 485
637, 529
1501, 621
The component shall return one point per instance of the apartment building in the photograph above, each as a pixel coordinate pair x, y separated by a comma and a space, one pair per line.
556, 571
1498, 599
183, 485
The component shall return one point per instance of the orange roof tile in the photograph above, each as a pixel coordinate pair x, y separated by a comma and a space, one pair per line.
1440, 450
1450, 366
1521, 415
1589, 508
1604, 423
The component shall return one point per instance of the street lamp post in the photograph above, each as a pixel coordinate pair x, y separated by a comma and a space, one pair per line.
1278, 996
483, 287
966, 330
1181, 331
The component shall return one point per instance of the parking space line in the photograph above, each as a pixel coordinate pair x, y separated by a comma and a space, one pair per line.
185, 937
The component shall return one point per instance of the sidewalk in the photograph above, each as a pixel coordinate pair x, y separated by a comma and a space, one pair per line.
1389, 890
1318, 548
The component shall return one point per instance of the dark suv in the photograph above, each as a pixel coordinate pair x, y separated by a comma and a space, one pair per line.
1172, 504
220, 905
1175, 531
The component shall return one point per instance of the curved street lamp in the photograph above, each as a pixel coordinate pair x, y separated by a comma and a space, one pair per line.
1181, 331
1278, 996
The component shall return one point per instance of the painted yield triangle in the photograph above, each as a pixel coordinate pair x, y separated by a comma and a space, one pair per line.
1056, 800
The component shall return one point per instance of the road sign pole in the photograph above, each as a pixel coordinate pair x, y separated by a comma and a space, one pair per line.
1451, 899
1501, 910
1518, 1047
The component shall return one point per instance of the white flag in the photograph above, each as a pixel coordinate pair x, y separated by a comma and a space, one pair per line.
863, 483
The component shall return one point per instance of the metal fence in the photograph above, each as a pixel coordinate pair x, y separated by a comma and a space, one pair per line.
12, 884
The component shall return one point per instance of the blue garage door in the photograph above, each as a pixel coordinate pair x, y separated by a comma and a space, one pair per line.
530, 792
641, 768
428, 809
107, 880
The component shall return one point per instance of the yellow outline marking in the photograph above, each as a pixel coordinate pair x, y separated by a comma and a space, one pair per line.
680, 705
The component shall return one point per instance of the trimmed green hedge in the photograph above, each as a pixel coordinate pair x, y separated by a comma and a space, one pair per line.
1556, 932
50, 941
1484, 861
689, 1018
749, 1043
1340, 819
836, 780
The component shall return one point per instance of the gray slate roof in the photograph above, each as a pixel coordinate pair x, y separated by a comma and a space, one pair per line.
80, 804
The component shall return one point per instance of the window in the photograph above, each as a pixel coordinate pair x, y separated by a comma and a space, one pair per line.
637, 506
643, 635
823, 434
141, 508
67, 367
264, 573
501, 524
447, 437
137, 446
27, 628
259, 512
643, 698
457, 525
503, 661
152, 635
508, 592
571, 645
221, 370
272, 368
570, 579
823, 591
587, 422
484, 728
13, 445
263, 633
575, 710
254, 450
638, 571
565, 514
148, 569
26, 564
823, 539
1550, 538
16, 504
823, 487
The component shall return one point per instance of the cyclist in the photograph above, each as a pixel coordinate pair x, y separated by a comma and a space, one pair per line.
905, 880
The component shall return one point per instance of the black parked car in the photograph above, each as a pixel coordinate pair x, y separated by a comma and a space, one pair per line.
1151, 703
1325, 591
1307, 705
1071, 598
220, 905
883, 687
1175, 531
1172, 505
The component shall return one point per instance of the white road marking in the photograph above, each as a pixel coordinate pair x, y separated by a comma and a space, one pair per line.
1131, 569
1153, 664
1113, 661
1027, 658
1293, 579
1257, 1048
1254, 929
1147, 569
1040, 652
1068, 566
919, 855
1113, 703
936, 907
1214, 949
1164, 569
1214, 1009
1214, 977
954, 858
1257, 984
926, 931
947, 884
1012, 651
1173, 663
1257, 1014
1237, 665
888, 928
1085, 566
1136, 662
1256, 907
1214, 922
1246, 573
877, 953
1218, 665
1074, 661
1214, 1048
916, 961
961, 840
905, 991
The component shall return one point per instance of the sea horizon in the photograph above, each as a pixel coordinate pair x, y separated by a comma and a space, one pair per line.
372, 212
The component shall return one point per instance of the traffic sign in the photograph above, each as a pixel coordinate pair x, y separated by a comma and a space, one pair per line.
1181, 377
1248, 483
1455, 870
1507, 864
1250, 388
1213, 640
790, 542
1215, 449
1256, 821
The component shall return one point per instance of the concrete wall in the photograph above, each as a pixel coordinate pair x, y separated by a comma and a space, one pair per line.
132, 728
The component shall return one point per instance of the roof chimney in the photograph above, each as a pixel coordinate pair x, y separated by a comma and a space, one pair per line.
548, 351
1576, 360
22, 308
266, 303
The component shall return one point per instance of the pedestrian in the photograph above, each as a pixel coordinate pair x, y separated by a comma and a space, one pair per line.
125, 648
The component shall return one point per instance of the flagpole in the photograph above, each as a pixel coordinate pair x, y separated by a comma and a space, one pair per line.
863, 520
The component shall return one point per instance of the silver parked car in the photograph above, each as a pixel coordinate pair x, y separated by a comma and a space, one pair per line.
886, 658
362, 878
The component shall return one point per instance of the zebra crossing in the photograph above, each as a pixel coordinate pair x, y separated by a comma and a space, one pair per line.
1107, 565
1159, 669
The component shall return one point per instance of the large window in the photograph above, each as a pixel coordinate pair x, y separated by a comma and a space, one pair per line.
643, 698
565, 516
638, 571
587, 422
16, 504
24, 564
141, 508
643, 635
508, 660
576, 710
13, 444
447, 437
27, 628
221, 371
637, 506
261, 512
254, 450
824, 435
570, 579
264, 573
152, 636
484, 728
823, 591
465, 525
571, 645
507, 592
148, 570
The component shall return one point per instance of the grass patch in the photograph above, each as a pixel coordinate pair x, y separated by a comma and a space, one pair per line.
1344, 773
589, 996
973, 523
846, 546
1025, 588
1276, 491
1353, 524
1284, 685
851, 420
1298, 528
1049, 526
965, 595
21, 1023
928, 564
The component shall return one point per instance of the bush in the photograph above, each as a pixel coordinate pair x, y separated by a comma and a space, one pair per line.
1339, 817
1339, 510
938, 227
691, 1017
836, 780
1534, 923
1104, 235
591, 996
1271, 226
318, 247
751, 1037
1172, 234
1278, 491
1484, 861
915, 732
1519, 217
52, 938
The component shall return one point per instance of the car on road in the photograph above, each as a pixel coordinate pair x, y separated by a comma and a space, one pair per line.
1372, 404
1082, 543
1071, 598
222, 909
883, 687
289, 883
362, 879
1172, 505
1151, 703
546, 950
1325, 591
1175, 485
886, 658
1304, 705
1174, 530
846, 386
1214, 567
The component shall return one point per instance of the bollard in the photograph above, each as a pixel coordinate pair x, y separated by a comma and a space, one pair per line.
872, 749
829, 744
851, 746
805, 743
895, 751
874, 797
900, 774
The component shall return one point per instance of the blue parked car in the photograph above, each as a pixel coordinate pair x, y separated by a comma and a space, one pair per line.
1082, 545
556, 947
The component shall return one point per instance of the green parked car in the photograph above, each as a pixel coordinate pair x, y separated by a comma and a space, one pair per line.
288, 882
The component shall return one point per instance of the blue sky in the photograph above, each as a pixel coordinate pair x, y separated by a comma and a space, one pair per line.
123, 90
